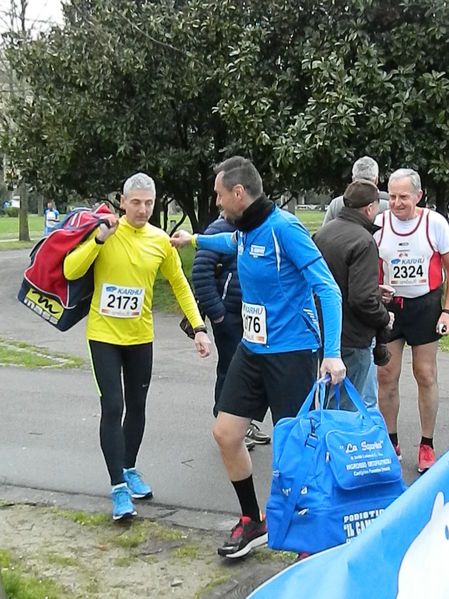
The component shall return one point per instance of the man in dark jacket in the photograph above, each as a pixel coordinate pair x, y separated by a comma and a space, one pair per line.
217, 289
348, 246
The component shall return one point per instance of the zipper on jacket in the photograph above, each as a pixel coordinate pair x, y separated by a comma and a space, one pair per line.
226, 285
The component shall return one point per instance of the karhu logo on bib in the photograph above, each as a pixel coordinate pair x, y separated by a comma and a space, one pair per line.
257, 250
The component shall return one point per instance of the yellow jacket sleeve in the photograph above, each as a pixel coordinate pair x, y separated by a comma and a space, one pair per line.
78, 262
171, 269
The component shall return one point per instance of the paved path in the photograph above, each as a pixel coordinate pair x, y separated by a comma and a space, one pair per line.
49, 421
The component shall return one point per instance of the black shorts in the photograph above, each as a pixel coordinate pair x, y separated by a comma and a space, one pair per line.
415, 319
256, 382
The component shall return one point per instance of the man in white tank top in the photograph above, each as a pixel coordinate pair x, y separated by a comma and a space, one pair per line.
414, 251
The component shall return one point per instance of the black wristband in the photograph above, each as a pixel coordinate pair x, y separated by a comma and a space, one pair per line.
201, 329
445, 310
98, 242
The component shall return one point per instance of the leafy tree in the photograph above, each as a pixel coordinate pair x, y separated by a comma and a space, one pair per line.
173, 86
119, 90
15, 86
334, 80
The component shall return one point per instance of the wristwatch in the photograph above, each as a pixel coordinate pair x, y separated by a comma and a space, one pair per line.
201, 329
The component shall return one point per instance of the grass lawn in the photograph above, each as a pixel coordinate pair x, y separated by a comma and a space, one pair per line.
444, 343
9, 232
9, 227
311, 219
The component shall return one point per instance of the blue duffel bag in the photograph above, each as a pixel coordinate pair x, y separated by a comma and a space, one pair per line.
334, 471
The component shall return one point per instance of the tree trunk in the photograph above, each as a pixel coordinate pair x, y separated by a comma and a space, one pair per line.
185, 200
191, 215
441, 199
2, 590
291, 205
207, 209
40, 205
156, 216
24, 233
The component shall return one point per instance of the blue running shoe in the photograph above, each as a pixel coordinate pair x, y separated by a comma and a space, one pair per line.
122, 506
138, 489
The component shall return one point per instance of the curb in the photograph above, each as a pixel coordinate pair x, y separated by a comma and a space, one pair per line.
173, 515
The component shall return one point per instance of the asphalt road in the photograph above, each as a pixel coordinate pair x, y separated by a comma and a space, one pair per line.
49, 417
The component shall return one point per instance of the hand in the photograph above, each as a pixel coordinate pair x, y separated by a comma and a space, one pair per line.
386, 293
443, 324
202, 344
391, 323
103, 231
180, 239
335, 367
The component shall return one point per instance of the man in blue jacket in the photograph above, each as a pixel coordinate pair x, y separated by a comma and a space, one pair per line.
280, 269
217, 289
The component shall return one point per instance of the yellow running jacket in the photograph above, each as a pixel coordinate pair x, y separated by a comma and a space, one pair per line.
125, 269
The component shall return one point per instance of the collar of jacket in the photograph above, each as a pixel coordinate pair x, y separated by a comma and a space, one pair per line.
354, 216
137, 231
255, 214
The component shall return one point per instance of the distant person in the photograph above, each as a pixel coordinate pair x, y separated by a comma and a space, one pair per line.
217, 289
363, 168
414, 251
51, 218
126, 257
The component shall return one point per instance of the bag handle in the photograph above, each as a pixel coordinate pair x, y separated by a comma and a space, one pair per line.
354, 396
321, 385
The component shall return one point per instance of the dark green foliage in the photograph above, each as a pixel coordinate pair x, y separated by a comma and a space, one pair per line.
172, 87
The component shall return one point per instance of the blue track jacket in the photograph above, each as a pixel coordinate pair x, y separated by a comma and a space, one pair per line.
280, 268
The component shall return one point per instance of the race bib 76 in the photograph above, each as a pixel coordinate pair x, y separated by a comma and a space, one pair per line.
254, 323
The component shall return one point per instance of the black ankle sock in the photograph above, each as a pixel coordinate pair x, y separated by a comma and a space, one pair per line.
393, 438
247, 498
427, 441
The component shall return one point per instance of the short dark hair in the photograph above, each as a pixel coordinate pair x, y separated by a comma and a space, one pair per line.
240, 171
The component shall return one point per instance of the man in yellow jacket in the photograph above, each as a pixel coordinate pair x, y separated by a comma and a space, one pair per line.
125, 257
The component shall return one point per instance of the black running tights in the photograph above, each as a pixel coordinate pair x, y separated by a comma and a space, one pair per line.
120, 438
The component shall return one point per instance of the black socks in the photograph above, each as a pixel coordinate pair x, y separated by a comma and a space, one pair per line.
247, 498
427, 441
393, 438
424, 440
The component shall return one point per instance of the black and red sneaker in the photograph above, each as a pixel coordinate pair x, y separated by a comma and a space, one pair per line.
245, 535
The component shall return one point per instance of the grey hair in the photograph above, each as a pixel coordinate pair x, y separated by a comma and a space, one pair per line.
139, 181
415, 179
365, 168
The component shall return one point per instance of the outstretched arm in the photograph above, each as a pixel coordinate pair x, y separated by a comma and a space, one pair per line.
181, 238
225, 243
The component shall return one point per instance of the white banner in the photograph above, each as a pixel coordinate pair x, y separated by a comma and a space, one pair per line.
403, 554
